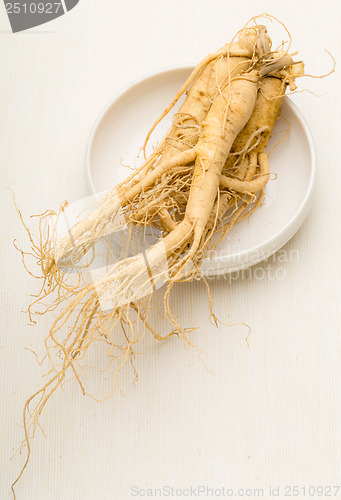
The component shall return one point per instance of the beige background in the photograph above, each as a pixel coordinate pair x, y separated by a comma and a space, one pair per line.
239, 417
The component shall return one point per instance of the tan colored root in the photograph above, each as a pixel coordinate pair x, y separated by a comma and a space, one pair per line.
186, 123
167, 222
181, 188
128, 284
235, 49
230, 208
84, 234
208, 167
254, 185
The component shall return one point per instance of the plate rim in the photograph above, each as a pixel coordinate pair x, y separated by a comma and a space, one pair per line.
273, 243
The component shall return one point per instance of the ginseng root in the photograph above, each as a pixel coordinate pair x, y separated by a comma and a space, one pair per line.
211, 160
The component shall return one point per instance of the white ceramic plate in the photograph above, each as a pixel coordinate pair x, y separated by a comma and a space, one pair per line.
119, 133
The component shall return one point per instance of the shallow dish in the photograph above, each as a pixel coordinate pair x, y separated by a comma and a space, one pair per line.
119, 133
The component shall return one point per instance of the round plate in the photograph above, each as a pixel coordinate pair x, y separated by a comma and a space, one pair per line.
119, 133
